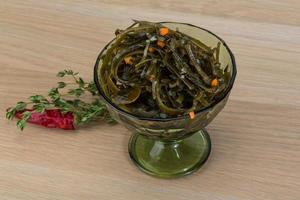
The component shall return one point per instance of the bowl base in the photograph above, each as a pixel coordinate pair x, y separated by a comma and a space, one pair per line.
170, 159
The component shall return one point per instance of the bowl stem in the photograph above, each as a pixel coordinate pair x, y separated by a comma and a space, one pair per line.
170, 159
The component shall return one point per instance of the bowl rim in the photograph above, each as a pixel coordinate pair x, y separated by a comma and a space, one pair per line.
223, 95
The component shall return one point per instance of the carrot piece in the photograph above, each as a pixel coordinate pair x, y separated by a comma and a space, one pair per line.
214, 83
128, 60
161, 44
151, 50
163, 31
192, 115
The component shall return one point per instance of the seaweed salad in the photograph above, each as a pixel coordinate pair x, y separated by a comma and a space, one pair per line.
152, 71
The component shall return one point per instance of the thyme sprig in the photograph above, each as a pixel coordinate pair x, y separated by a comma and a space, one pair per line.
67, 97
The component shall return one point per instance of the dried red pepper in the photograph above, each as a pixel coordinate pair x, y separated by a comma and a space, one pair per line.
50, 118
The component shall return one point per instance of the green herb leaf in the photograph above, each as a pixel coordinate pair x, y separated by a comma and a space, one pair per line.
77, 92
75, 102
69, 72
36, 98
92, 88
26, 115
22, 122
61, 74
10, 113
61, 85
20, 106
80, 82
54, 94
39, 108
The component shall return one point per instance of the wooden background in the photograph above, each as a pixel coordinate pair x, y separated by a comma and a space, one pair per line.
256, 139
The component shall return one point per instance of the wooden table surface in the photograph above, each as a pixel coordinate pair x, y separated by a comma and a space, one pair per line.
256, 138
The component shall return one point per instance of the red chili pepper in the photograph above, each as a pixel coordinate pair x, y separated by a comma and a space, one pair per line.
50, 119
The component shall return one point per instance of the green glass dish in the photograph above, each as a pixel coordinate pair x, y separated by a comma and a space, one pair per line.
172, 147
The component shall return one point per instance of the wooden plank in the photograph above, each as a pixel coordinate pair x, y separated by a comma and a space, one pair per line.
256, 138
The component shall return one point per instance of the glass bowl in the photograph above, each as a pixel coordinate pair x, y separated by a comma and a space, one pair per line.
171, 147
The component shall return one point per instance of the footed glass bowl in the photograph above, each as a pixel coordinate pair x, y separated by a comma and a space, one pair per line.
172, 147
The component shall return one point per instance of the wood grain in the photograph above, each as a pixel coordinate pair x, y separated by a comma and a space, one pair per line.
256, 138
